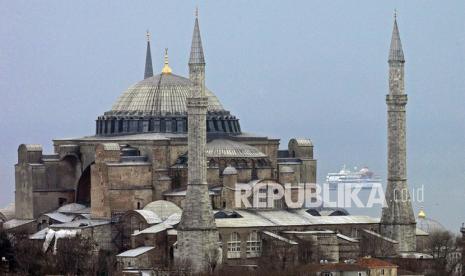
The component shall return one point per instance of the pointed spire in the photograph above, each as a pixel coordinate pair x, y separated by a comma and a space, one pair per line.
196, 56
148, 60
166, 68
396, 53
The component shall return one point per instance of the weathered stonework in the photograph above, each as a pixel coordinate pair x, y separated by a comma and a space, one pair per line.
398, 220
197, 246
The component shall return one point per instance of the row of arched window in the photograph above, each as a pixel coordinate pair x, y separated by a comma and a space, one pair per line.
253, 245
239, 163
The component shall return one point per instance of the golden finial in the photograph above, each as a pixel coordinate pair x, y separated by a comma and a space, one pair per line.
166, 68
422, 213
148, 35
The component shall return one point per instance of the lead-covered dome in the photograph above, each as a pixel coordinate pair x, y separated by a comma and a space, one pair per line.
162, 94
158, 104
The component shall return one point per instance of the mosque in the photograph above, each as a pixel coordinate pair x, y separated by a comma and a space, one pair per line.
156, 183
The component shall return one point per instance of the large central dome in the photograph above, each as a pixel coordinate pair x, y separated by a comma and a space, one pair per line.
162, 94
158, 104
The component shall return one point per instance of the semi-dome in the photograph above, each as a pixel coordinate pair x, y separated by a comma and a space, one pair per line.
162, 94
224, 148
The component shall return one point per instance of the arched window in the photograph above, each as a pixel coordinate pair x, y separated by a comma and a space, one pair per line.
254, 245
234, 246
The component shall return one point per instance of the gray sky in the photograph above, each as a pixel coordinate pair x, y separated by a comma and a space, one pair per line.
316, 69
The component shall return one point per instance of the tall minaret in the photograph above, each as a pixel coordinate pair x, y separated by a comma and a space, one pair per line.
197, 244
148, 60
397, 219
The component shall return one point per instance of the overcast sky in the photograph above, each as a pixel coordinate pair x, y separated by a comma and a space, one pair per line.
315, 69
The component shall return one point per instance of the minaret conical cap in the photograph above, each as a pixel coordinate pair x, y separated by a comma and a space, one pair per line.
196, 56
148, 60
395, 52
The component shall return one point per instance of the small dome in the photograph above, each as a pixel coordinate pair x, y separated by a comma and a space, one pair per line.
163, 209
159, 95
229, 171
71, 208
302, 142
428, 225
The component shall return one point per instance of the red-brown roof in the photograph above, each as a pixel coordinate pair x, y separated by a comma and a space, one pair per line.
374, 263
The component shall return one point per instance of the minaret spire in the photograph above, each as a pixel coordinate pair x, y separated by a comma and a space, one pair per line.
148, 59
395, 52
196, 55
397, 219
197, 233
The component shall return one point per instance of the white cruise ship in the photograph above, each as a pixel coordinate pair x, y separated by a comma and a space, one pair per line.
363, 178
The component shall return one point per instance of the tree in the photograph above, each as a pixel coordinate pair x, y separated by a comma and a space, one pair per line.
74, 256
443, 246
6, 252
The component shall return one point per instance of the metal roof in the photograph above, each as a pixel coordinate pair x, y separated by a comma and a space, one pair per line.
135, 252
82, 223
40, 235
299, 217
233, 149
149, 216
60, 217
16, 223
278, 237
157, 228
347, 238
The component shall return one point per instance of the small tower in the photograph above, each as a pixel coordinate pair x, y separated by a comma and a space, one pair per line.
148, 60
197, 245
397, 219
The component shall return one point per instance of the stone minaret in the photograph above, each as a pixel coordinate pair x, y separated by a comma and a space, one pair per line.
148, 60
197, 245
397, 219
